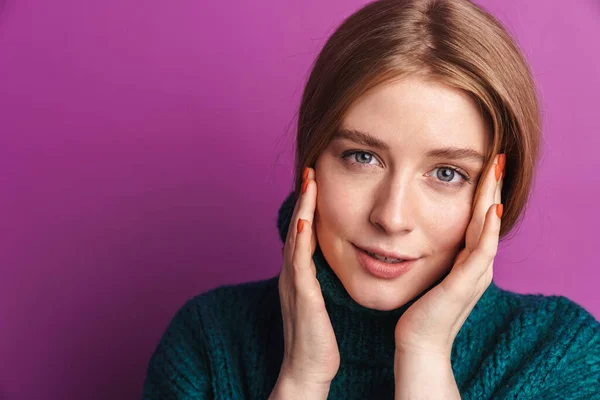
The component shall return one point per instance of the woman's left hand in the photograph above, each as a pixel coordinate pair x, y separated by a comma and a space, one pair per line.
430, 325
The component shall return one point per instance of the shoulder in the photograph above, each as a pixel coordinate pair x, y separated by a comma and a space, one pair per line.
551, 318
204, 331
551, 311
234, 300
552, 341
222, 310
230, 309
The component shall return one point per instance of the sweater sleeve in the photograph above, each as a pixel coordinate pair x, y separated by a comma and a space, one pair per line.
178, 368
576, 371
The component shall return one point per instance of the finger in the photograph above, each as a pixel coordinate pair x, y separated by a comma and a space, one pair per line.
498, 196
308, 208
485, 199
288, 245
308, 198
306, 201
313, 242
304, 275
313, 239
478, 262
291, 228
311, 174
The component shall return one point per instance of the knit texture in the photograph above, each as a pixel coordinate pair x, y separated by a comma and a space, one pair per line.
227, 343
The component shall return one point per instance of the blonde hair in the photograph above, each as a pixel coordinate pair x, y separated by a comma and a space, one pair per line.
454, 42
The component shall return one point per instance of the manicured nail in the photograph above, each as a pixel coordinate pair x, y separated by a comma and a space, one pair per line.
300, 225
304, 186
499, 210
498, 172
502, 161
305, 174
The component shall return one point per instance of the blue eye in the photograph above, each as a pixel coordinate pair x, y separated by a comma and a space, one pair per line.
448, 175
359, 157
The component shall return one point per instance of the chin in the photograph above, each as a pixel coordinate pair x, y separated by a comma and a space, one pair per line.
376, 294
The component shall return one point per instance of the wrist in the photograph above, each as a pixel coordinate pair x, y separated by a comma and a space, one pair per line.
287, 387
423, 351
424, 376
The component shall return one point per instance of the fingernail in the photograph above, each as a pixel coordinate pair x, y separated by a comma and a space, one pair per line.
305, 174
304, 186
502, 161
300, 225
498, 172
499, 210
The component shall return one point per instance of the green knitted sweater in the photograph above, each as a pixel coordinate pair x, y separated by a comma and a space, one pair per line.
227, 343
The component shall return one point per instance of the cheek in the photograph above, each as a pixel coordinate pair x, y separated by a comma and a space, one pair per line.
447, 224
340, 201
336, 207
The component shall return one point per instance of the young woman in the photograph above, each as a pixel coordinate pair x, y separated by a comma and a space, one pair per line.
417, 139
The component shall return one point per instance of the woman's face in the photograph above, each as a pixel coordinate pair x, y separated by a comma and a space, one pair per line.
406, 188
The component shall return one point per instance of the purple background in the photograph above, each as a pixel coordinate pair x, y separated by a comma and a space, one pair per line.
145, 147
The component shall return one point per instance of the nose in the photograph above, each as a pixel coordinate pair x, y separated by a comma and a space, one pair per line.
394, 208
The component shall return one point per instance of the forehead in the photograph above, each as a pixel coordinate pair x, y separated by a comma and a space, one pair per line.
418, 113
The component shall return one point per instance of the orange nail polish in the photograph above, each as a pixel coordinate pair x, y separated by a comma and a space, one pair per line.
304, 186
498, 172
300, 225
502, 161
499, 210
305, 174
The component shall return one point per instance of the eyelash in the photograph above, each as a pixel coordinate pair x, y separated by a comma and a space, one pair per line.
347, 154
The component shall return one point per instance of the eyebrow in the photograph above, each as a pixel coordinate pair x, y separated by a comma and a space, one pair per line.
451, 153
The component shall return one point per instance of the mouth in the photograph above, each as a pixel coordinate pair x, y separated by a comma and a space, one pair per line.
384, 259
385, 256
382, 265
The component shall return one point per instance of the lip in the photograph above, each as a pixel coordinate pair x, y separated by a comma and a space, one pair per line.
386, 253
381, 269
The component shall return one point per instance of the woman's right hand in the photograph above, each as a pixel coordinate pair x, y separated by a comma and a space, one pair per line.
311, 356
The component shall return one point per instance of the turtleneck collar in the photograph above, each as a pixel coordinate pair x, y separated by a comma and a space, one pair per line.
356, 326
